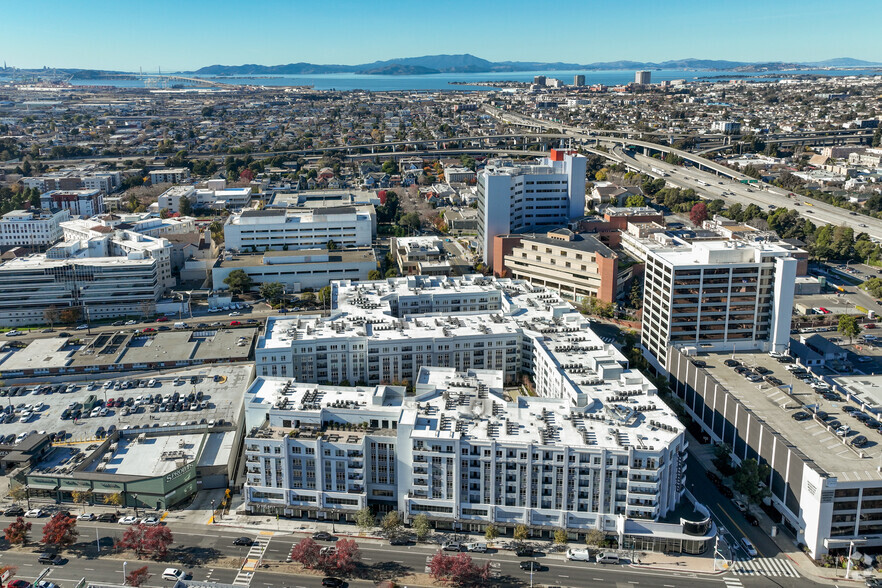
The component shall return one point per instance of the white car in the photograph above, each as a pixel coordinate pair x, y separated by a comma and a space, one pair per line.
132, 322
741, 506
82, 327
235, 314
129, 520
86, 516
14, 333
748, 547
151, 521
172, 574
34, 513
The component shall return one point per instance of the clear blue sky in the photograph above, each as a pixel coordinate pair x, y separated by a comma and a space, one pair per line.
188, 34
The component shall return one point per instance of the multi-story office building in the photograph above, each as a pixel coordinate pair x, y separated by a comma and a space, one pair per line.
96, 239
169, 176
518, 198
643, 77
596, 449
579, 80
100, 287
726, 126
574, 266
170, 200
32, 228
277, 229
297, 270
717, 296
77, 202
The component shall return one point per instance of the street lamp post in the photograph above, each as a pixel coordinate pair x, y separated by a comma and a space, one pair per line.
135, 498
213, 512
28, 495
124, 573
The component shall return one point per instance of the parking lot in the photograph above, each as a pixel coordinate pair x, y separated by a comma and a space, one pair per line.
81, 412
820, 421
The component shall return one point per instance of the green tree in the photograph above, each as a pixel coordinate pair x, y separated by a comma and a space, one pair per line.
272, 291
17, 492
636, 295
391, 522
391, 272
238, 281
421, 526
722, 459
594, 537
185, 207
411, 220
389, 167
849, 327
491, 532
307, 297
520, 533
332, 245
375, 275
364, 520
750, 478
324, 295
561, 537
115, 499
81, 497
635, 201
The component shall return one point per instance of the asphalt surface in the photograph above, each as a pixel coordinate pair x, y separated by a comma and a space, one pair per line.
199, 552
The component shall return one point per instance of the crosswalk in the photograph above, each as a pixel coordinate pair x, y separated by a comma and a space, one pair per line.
732, 582
253, 559
607, 339
763, 566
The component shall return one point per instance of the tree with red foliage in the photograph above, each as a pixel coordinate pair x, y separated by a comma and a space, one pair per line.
340, 561
150, 541
156, 541
246, 175
306, 553
17, 531
698, 214
458, 570
60, 530
137, 577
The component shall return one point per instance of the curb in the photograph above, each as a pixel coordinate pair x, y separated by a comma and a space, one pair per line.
670, 569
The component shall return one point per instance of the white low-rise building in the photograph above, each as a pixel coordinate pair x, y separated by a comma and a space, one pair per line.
421, 256
32, 228
78, 202
169, 176
279, 229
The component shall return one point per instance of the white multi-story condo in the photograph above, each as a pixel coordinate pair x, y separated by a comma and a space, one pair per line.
278, 229
169, 176
717, 296
421, 255
516, 198
32, 228
77, 202
595, 449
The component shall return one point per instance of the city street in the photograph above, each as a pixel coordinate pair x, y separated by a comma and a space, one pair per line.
210, 556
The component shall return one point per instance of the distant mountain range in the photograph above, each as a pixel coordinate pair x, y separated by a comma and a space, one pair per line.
465, 63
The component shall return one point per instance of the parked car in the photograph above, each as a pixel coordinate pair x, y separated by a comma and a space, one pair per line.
128, 520
173, 574
86, 516
524, 551
740, 505
750, 518
34, 513
107, 517
399, 540
748, 547
323, 536
247, 541
151, 521
14, 511
332, 582
452, 546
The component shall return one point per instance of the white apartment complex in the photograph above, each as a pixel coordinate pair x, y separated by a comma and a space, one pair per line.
596, 448
516, 198
169, 176
717, 296
421, 255
279, 229
170, 200
32, 228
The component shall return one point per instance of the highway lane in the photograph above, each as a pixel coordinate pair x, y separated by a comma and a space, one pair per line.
763, 195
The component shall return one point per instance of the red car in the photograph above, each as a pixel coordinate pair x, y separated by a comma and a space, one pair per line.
235, 323
162, 319
148, 330
109, 403
18, 584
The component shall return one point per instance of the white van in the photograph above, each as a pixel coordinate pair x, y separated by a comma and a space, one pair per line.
607, 558
477, 547
173, 574
180, 325
579, 554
